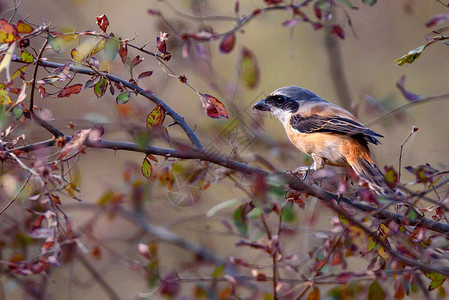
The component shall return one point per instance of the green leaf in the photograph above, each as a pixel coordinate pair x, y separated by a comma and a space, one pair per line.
123, 98
348, 4
249, 69
26, 57
147, 169
370, 2
218, 271
344, 221
111, 47
255, 213
17, 111
240, 220
375, 291
288, 214
55, 42
437, 280
411, 56
371, 243
101, 87
412, 215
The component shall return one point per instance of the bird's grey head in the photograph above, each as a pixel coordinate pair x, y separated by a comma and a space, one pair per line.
285, 101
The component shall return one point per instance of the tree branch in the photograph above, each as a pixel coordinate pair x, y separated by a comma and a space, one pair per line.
176, 117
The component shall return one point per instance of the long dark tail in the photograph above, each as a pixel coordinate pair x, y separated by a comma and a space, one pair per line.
370, 173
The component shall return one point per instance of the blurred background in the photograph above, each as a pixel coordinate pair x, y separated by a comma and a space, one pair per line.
296, 55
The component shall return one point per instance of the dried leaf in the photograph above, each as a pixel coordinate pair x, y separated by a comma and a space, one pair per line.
214, 108
70, 90
101, 87
227, 43
77, 55
8, 32
75, 144
375, 291
156, 117
145, 74
249, 69
146, 168
407, 95
314, 294
291, 22
103, 22
437, 19
437, 280
338, 30
23, 27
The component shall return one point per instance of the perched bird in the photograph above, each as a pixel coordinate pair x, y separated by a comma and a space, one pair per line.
328, 133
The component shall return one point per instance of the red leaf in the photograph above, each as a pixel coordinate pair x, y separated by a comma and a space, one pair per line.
42, 92
336, 29
103, 22
437, 19
154, 12
227, 43
214, 108
344, 277
145, 74
137, 60
69, 90
8, 32
407, 95
161, 42
273, 2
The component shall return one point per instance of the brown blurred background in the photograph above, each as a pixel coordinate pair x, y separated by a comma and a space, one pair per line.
383, 33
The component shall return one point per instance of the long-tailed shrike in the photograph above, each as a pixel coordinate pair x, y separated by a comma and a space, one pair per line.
328, 133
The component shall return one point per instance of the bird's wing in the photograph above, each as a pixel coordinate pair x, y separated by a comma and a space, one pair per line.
333, 124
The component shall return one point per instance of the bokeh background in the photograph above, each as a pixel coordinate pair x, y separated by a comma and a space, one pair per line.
285, 56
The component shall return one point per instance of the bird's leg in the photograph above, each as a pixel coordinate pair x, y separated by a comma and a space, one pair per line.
318, 163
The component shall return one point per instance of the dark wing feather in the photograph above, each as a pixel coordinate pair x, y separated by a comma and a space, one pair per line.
340, 125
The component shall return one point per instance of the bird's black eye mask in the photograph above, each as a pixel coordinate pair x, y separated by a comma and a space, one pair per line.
282, 102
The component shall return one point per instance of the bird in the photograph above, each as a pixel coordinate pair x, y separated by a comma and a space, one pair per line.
326, 132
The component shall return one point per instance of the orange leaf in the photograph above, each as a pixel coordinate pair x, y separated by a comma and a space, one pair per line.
103, 22
8, 32
69, 90
314, 294
214, 108
23, 27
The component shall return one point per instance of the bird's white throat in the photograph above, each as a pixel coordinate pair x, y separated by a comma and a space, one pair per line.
282, 115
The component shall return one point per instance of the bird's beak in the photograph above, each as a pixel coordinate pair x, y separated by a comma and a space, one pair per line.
262, 105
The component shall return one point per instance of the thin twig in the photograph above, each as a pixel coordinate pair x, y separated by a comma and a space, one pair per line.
414, 129
15, 197
99, 279
408, 105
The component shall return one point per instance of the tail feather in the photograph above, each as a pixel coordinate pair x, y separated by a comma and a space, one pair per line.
370, 173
